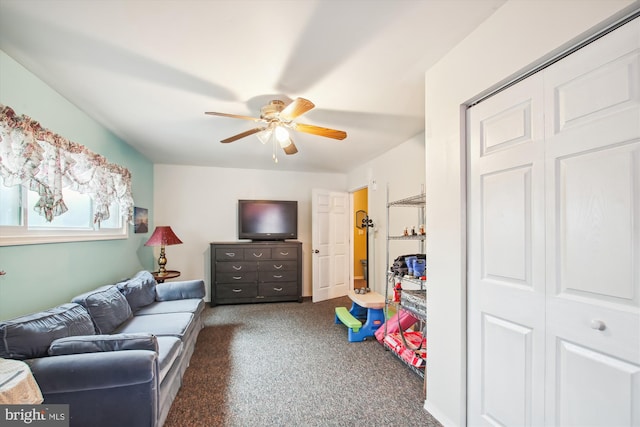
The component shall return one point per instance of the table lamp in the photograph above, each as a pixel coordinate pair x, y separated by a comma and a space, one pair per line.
163, 236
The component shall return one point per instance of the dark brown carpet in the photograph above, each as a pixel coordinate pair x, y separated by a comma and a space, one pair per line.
287, 364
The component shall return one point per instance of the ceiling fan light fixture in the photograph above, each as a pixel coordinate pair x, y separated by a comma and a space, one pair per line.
278, 119
282, 135
265, 135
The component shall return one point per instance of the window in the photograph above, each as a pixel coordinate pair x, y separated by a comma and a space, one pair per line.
57, 190
21, 224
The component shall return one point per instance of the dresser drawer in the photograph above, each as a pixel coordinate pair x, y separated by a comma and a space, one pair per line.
287, 252
277, 265
240, 290
237, 277
277, 276
256, 254
235, 267
278, 289
227, 254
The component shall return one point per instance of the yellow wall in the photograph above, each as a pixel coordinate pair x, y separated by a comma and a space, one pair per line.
360, 202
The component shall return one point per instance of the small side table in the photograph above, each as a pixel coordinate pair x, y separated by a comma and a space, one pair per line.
169, 274
17, 385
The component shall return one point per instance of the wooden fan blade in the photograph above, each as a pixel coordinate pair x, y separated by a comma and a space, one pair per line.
317, 130
297, 108
234, 116
291, 148
242, 135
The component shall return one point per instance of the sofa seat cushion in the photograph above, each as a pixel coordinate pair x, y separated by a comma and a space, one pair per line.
139, 291
169, 349
107, 306
193, 305
29, 336
167, 324
101, 343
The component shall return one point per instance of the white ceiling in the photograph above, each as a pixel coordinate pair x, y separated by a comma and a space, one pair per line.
149, 69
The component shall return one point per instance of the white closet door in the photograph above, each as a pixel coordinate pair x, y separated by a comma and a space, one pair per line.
593, 233
554, 244
506, 289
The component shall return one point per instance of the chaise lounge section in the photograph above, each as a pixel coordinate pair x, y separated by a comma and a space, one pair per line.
115, 354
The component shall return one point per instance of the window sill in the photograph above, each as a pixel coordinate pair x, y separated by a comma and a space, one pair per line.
38, 238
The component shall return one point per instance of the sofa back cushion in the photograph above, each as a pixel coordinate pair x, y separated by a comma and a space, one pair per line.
29, 336
107, 306
139, 291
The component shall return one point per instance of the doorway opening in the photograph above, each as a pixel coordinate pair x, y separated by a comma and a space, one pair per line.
360, 208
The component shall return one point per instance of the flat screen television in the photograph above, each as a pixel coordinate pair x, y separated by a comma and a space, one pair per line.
267, 219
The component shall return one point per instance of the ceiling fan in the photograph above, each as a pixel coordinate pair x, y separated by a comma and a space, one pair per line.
277, 120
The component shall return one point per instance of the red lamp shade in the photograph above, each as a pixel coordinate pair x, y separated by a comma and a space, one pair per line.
163, 236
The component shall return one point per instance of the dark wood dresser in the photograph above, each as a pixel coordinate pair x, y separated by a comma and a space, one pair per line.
251, 272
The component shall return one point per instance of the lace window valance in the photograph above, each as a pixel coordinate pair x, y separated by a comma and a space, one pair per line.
46, 163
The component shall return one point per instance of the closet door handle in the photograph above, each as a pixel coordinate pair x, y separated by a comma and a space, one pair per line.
598, 325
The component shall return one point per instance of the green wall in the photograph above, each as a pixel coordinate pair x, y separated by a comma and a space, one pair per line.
42, 276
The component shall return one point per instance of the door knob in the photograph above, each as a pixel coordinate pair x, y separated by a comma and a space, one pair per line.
315, 251
598, 325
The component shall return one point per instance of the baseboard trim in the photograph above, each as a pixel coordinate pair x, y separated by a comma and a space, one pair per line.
438, 415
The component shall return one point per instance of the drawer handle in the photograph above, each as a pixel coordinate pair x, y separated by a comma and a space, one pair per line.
284, 253
237, 277
277, 267
236, 290
257, 255
277, 289
237, 268
277, 276
230, 254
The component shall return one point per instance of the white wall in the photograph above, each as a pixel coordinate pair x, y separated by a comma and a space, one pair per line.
200, 205
519, 34
402, 171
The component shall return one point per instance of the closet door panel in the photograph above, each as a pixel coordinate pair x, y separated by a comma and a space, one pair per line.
506, 258
593, 232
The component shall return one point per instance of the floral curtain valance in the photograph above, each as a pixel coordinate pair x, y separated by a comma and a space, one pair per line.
46, 163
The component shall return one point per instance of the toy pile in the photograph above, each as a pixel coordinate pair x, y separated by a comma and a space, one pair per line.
414, 340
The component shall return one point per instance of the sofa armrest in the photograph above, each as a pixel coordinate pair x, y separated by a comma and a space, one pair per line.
102, 389
185, 289
90, 371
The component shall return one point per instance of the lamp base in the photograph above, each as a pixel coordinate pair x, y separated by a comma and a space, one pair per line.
162, 261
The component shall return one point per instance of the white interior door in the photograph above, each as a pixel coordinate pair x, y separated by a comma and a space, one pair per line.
330, 235
593, 233
506, 288
554, 243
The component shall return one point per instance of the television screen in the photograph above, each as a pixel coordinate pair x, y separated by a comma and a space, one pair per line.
267, 219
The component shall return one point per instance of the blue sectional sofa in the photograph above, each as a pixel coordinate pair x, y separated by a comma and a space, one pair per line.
116, 354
